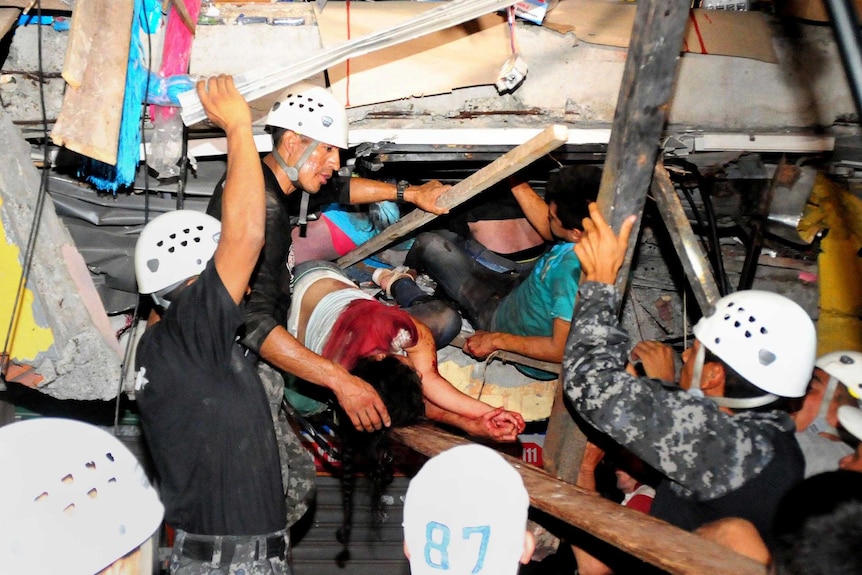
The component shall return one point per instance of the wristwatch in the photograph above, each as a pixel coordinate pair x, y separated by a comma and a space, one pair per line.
399, 189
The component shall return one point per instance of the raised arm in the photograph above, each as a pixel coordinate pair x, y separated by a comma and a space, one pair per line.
533, 206
244, 204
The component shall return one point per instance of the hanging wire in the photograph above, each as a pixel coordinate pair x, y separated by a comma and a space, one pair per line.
711, 243
491, 357
30, 249
510, 17
132, 331
718, 259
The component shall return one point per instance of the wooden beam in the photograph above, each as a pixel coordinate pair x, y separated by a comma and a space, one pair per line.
638, 534
95, 68
515, 159
8, 17
641, 112
564, 444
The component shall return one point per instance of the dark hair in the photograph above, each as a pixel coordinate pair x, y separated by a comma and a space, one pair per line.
277, 134
734, 384
571, 189
400, 389
818, 526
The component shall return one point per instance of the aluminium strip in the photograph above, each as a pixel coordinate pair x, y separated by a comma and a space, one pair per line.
262, 81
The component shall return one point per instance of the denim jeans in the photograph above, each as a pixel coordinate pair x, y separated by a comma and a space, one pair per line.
476, 289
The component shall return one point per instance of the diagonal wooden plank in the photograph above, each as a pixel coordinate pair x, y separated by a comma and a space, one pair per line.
638, 534
688, 248
545, 141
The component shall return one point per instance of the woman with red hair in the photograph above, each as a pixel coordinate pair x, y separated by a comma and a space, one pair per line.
331, 316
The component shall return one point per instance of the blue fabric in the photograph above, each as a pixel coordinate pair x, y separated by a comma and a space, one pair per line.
548, 293
355, 224
105, 176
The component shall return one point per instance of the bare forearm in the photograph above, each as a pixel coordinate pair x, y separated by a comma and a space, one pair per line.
284, 351
446, 417
440, 415
243, 205
541, 348
534, 208
365, 191
424, 197
444, 396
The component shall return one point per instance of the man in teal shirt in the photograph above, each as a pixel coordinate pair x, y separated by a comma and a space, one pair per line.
529, 317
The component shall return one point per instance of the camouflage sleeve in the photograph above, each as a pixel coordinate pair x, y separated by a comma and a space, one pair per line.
684, 437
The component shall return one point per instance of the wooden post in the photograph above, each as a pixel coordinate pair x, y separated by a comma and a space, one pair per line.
639, 119
688, 248
545, 141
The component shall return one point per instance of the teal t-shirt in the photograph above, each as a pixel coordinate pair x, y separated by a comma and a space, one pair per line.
548, 293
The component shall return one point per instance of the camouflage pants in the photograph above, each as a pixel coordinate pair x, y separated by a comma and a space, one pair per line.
213, 555
298, 473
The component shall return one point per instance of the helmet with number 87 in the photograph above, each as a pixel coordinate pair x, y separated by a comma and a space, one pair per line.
466, 512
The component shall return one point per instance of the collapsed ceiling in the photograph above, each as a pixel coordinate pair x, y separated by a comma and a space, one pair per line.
750, 98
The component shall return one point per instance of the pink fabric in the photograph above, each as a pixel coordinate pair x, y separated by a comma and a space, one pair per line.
177, 50
341, 242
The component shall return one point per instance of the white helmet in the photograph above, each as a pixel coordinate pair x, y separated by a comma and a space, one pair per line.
846, 367
466, 511
313, 112
765, 337
174, 247
851, 420
73, 498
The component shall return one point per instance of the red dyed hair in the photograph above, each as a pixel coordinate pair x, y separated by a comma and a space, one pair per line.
366, 328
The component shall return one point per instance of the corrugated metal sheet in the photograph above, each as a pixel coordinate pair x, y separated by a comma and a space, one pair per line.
374, 550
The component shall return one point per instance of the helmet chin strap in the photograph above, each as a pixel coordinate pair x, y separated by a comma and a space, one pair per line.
731, 402
697, 372
292, 173
820, 424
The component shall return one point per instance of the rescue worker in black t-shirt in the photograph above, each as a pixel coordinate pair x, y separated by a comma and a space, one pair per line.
203, 409
309, 127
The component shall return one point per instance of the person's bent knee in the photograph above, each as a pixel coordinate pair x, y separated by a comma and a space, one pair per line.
443, 321
424, 247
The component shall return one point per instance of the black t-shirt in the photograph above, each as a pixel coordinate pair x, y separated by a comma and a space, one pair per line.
206, 418
756, 500
267, 304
